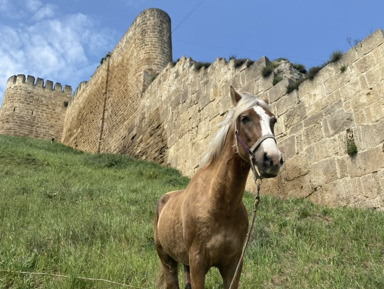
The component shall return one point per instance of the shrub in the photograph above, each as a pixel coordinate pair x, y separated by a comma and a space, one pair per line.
312, 72
269, 69
351, 148
277, 79
335, 56
232, 56
300, 67
239, 62
343, 69
293, 86
250, 62
199, 65
281, 59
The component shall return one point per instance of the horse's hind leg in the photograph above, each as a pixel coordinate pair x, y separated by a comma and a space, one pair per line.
187, 275
167, 278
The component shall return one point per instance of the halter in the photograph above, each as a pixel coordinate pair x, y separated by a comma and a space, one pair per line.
251, 151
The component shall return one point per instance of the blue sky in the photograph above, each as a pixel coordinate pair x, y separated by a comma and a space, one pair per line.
64, 40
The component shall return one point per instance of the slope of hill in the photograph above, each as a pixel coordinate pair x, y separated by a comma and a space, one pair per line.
66, 215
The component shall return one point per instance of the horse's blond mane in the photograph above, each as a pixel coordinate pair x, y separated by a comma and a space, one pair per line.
247, 101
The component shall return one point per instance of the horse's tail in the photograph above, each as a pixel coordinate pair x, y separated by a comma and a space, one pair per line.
161, 282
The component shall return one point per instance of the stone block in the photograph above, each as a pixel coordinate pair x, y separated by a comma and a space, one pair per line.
374, 111
295, 167
342, 167
313, 119
323, 172
372, 135
335, 82
296, 188
380, 178
371, 188
371, 42
279, 90
375, 75
295, 115
288, 147
312, 135
366, 162
365, 98
365, 63
296, 128
331, 194
337, 122
285, 103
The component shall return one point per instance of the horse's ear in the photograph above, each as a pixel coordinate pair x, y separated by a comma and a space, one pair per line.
265, 99
235, 97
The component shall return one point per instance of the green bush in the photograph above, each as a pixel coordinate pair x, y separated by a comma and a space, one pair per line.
300, 67
266, 71
199, 65
277, 79
312, 72
335, 56
351, 148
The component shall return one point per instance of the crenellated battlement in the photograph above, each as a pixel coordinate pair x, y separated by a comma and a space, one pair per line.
23, 80
34, 107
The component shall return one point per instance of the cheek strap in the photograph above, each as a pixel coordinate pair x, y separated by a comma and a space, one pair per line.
251, 151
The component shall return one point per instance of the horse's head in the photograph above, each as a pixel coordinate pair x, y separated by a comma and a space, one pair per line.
254, 129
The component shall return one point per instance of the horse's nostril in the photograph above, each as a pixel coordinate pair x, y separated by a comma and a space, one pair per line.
267, 158
281, 161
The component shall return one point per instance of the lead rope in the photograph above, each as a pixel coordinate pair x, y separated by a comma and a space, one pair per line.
257, 179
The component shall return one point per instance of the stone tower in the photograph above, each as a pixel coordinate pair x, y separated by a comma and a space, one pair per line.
103, 111
33, 109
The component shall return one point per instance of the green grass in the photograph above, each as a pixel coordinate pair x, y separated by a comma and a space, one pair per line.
81, 215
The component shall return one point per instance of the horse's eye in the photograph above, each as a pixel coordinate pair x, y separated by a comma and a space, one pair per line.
244, 119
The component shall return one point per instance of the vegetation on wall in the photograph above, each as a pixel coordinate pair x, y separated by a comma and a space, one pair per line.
343, 69
267, 70
312, 72
199, 65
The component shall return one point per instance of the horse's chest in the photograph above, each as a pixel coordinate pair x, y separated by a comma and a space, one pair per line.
222, 239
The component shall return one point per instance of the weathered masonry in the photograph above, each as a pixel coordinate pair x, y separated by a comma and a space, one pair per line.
139, 103
32, 108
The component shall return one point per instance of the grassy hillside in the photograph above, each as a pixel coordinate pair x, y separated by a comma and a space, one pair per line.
74, 214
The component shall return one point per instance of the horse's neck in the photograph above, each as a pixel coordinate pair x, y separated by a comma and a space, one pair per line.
229, 173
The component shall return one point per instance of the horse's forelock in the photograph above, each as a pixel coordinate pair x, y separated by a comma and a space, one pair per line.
247, 102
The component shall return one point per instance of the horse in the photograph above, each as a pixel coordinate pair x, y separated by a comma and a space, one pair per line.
205, 224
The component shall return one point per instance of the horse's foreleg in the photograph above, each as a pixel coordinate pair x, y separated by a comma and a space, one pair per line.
198, 269
227, 274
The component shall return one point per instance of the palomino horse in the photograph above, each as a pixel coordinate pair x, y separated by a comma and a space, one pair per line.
205, 225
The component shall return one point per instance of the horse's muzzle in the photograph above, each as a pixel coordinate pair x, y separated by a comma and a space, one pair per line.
270, 165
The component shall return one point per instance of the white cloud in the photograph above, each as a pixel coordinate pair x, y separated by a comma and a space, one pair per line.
65, 48
47, 11
33, 5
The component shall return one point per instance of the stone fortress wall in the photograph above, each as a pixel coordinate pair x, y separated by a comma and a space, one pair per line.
140, 103
32, 108
315, 123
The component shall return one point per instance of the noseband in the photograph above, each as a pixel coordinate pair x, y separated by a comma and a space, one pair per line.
251, 151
